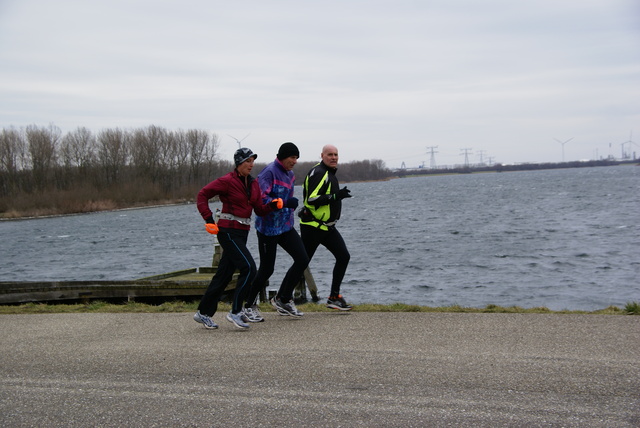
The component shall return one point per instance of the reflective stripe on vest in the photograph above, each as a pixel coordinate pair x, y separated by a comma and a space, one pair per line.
323, 212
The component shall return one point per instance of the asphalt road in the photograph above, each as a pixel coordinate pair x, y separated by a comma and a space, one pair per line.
327, 369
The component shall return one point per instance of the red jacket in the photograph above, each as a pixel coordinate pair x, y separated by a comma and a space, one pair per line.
239, 196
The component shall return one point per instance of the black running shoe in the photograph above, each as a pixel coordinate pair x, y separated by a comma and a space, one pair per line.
338, 303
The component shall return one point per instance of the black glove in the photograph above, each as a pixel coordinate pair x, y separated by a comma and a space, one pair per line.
291, 203
343, 193
209, 220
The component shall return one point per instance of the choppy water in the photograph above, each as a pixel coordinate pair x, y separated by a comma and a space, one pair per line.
564, 239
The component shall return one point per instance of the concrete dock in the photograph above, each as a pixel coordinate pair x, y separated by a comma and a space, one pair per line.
377, 369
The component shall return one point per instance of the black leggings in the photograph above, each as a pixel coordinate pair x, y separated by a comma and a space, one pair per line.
312, 237
268, 245
235, 255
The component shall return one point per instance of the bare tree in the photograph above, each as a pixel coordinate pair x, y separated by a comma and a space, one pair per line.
78, 149
214, 166
182, 156
168, 156
146, 148
13, 158
42, 145
168, 161
13, 153
379, 169
212, 148
113, 153
202, 151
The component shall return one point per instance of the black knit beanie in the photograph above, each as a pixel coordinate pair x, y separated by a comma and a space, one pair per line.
288, 149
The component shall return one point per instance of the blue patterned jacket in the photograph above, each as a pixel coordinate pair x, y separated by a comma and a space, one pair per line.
276, 182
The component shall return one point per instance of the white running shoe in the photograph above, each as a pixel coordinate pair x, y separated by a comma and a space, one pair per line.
253, 314
205, 320
236, 319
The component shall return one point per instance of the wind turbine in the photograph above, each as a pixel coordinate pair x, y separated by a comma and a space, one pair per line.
563, 143
239, 141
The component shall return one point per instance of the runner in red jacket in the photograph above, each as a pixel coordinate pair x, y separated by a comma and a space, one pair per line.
240, 195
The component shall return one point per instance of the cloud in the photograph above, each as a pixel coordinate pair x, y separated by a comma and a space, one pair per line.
382, 80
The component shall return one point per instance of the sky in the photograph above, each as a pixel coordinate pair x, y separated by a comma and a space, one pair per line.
413, 83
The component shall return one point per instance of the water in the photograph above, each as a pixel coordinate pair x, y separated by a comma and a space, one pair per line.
563, 239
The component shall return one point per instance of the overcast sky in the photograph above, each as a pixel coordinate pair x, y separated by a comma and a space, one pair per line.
386, 80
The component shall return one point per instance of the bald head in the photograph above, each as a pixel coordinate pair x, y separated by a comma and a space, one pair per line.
329, 156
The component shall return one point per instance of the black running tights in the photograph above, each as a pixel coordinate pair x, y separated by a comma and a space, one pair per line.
312, 237
235, 255
268, 246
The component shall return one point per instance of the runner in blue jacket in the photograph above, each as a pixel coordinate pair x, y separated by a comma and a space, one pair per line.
275, 228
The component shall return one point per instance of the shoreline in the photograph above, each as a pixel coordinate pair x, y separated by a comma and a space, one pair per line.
398, 174
177, 306
141, 207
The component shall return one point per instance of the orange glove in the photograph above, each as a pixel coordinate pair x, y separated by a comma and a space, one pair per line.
212, 228
277, 204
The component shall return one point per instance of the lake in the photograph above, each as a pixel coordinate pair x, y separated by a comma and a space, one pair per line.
563, 239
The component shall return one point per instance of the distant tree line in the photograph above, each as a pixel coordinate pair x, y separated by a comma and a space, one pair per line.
364, 170
513, 167
45, 172
555, 165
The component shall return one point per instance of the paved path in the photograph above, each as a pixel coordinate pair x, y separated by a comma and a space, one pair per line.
328, 369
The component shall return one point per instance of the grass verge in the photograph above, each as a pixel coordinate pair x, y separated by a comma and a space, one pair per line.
632, 308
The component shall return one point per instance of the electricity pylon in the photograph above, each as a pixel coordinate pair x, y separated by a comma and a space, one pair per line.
433, 156
466, 157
